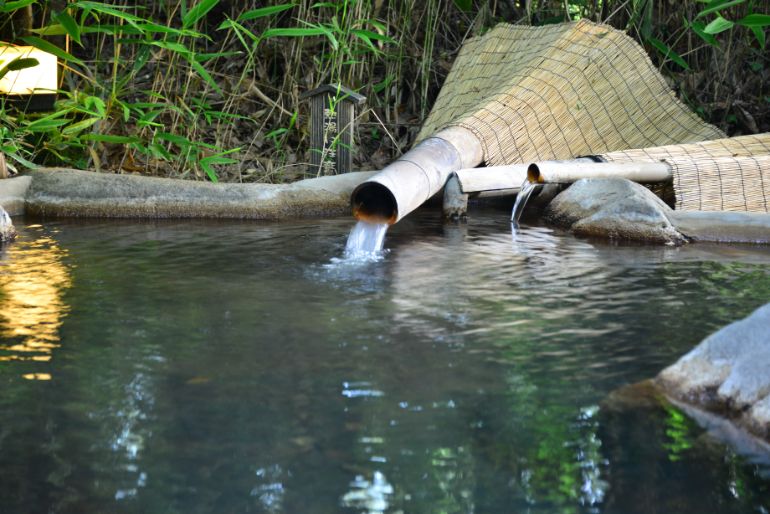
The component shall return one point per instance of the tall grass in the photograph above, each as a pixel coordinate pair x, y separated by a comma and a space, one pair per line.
209, 89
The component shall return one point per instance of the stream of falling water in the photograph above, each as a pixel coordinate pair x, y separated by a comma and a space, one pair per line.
521, 200
365, 240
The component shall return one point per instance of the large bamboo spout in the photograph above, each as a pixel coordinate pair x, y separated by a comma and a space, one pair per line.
408, 182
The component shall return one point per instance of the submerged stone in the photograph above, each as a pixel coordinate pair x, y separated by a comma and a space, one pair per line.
728, 373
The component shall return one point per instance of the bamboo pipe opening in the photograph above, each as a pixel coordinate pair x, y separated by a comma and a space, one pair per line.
374, 203
533, 174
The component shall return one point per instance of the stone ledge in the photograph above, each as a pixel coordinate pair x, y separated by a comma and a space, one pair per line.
74, 193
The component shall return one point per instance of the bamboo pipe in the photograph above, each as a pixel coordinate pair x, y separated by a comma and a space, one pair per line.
491, 181
491, 178
565, 172
409, 181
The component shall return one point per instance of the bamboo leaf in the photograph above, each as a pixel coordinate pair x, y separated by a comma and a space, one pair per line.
46, 124
174, 138
207, 162
718, 5
698, 27
239, 30
172, 46
21, 160
755, 20
759, 33
20, 63
210, 172
13, 6
204, 74
367, 40
215, 55
293, 32
668, 52
215, 159
79, 126
464, 5
198, 11
373, 35
45, 46
329, 33
718, 25
70, 26
150, 27
264, 11
109, 138
57, 29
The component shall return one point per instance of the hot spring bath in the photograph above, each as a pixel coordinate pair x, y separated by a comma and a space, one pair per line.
242, 367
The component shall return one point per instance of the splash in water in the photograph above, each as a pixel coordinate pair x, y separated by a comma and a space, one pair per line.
521, 200
366, 240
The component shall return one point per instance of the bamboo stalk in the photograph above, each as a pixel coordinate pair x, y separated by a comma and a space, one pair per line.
491, 178
566, 172
416, 176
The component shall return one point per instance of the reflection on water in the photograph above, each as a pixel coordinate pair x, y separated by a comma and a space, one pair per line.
367, 496
32, 282
236, 367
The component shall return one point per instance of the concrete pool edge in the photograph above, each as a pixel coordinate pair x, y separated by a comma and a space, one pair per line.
59, 192
13, 193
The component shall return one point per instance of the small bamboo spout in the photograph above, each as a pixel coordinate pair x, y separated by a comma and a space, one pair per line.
565, 172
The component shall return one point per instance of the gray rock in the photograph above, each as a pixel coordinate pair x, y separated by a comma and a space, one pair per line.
729, 372
7, 230
12, 194
614, 208
65, 192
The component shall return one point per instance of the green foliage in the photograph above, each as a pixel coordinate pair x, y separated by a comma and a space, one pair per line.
667, 52
205, 88
464, 5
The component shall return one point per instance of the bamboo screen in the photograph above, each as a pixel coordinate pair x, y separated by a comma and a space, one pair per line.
560, 91
730, 174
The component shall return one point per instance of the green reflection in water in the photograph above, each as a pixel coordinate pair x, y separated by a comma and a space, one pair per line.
679, 433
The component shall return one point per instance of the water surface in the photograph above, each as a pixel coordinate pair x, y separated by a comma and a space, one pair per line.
241, 367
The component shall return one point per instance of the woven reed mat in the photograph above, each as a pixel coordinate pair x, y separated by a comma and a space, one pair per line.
730, 174
560, 91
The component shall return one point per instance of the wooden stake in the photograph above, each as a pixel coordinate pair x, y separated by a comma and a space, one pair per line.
3, 167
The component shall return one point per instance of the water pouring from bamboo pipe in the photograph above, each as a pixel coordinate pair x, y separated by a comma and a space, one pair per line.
408, 182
